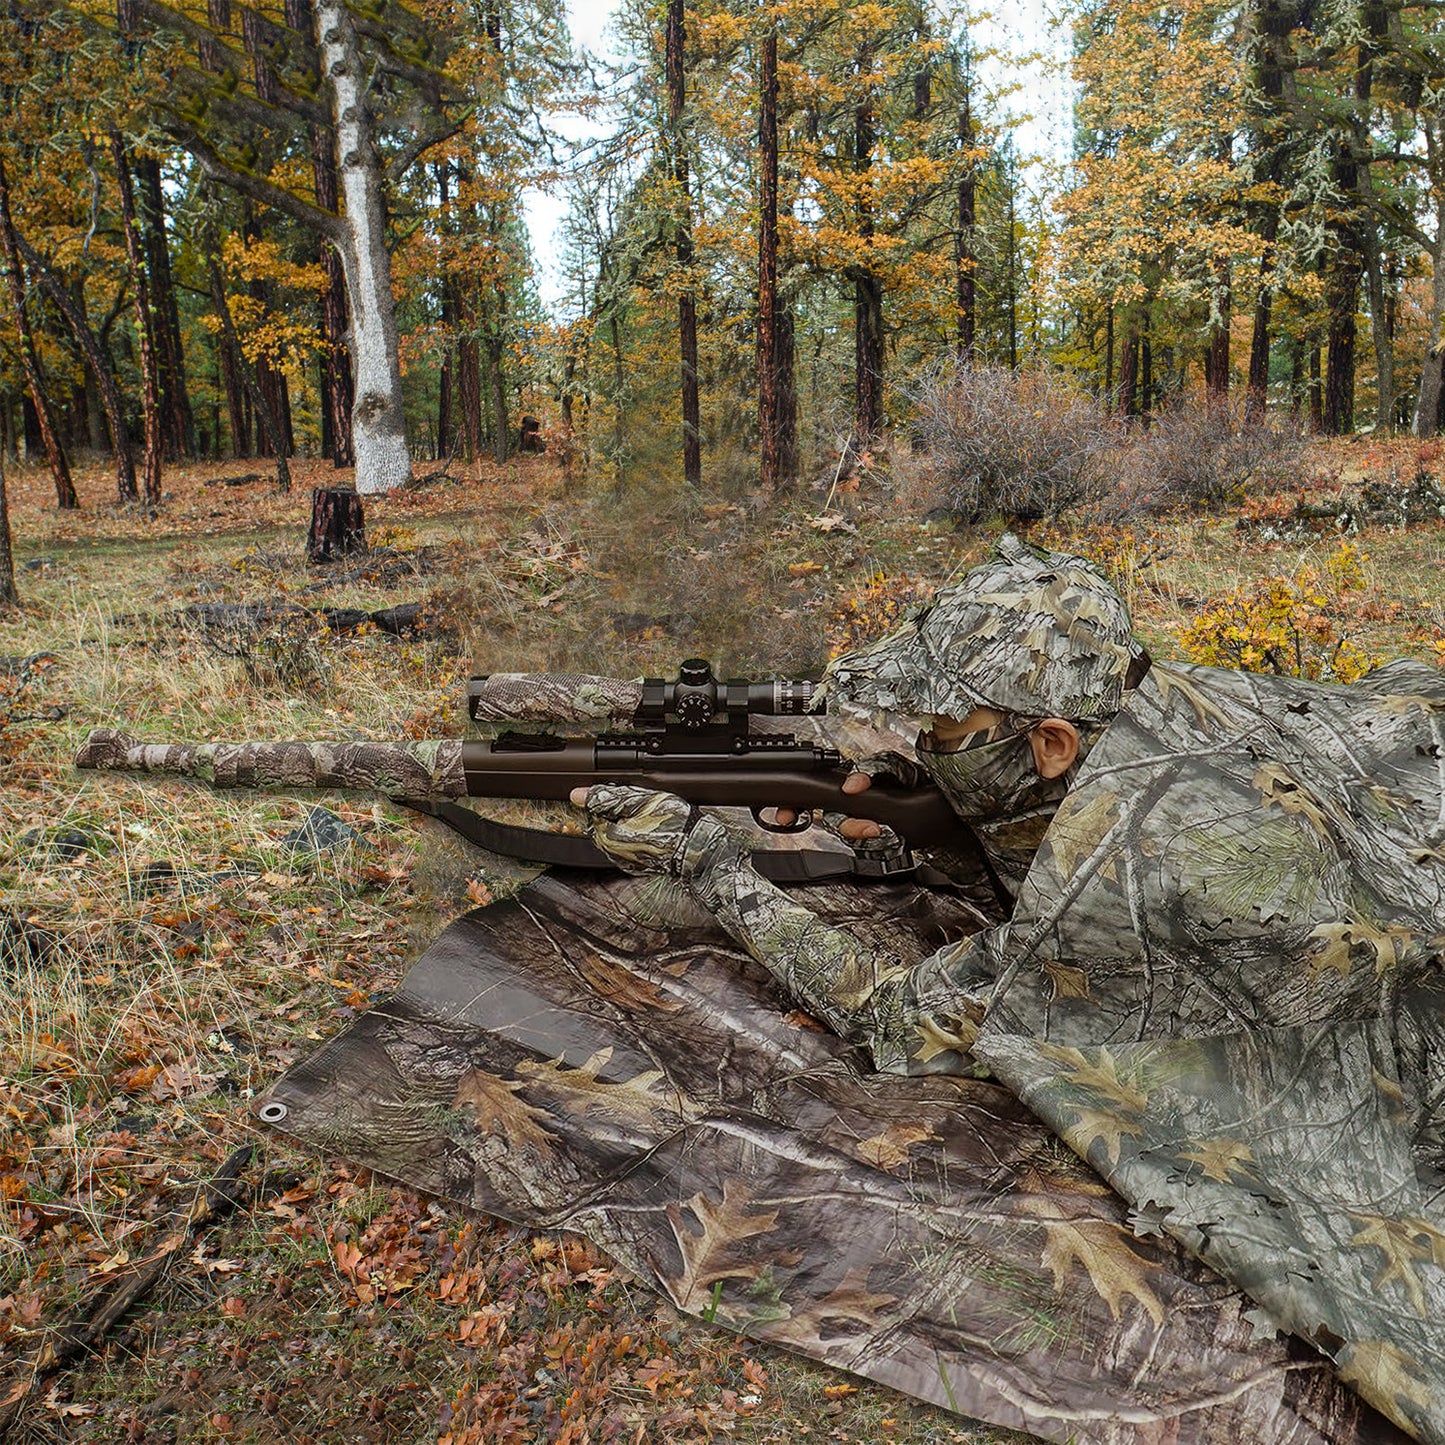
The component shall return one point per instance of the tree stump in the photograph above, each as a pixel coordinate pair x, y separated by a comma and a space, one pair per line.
337, 525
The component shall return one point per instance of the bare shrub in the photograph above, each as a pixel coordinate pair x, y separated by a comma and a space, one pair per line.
280, 647
1022, 445
1197, 452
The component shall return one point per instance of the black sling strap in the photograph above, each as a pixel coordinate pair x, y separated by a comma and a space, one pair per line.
780, 865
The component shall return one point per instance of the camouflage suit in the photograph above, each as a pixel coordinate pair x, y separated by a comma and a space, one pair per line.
1220, 982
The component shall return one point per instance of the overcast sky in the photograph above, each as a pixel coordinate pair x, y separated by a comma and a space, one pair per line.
1041, 96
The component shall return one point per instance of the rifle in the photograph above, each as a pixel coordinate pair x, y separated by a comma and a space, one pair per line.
715, 744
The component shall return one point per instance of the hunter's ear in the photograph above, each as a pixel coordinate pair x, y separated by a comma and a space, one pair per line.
1055, 743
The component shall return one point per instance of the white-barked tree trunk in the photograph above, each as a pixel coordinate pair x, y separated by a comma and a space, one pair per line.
378, 419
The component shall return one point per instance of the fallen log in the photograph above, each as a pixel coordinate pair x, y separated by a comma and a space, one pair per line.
67, 1342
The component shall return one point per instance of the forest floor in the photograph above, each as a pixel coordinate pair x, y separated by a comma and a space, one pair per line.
138, 1016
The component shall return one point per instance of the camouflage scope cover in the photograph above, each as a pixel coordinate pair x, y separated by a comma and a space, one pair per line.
553, 697
1029, 632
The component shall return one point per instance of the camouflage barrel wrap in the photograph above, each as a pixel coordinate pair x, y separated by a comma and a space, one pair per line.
430, 769
546, 697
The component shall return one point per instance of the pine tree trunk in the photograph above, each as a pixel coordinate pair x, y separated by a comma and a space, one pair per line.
497, 344
1342, 292
378, 419
273, 396
1258, 386
9, 593
1380, 332
964, 261
1129, 375
783, 331
1217, 372
444, 409
1146, 376
230, 360
34, 438
619, 407
769, 428
65, 497
449, 322
1109, 358
150, 383
269, 423
178, 423
72, 308
94, 401
1432, 371
501, 434
867, 286
1317, 406
469, 373
675, 40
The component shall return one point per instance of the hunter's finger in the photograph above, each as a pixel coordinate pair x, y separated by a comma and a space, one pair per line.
785, 817
578, 796
857, 783
857, 830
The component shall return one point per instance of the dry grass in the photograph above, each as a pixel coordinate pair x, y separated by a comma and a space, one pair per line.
137, 1015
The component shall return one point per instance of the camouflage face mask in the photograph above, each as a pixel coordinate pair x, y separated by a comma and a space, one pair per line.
992, 780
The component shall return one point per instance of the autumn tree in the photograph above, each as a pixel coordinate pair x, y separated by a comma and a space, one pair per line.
390, 92
9, 593
1156, 227
675, 58
40, 396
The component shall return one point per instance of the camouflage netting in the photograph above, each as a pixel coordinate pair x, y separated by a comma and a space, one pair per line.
576, 1058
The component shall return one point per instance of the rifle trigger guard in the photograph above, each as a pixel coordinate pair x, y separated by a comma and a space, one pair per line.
800, 824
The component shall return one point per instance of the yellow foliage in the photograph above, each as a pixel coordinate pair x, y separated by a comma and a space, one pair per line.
1285, 625
872, 609
398, 538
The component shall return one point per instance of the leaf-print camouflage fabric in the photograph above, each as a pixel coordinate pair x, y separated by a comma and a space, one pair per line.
1222, 985
594, 1055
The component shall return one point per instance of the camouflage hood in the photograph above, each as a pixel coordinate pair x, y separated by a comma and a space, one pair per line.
1029, 632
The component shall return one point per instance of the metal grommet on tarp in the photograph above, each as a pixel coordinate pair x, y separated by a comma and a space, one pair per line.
273, 1112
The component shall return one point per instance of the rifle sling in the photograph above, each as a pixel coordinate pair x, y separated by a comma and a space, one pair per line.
780, 865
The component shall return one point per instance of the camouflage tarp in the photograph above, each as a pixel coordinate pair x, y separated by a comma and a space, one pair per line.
576, 1058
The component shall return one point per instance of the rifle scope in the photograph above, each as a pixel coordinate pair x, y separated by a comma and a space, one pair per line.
695, 700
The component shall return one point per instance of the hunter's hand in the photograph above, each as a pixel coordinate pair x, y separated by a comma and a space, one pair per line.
641, 831
855, 830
